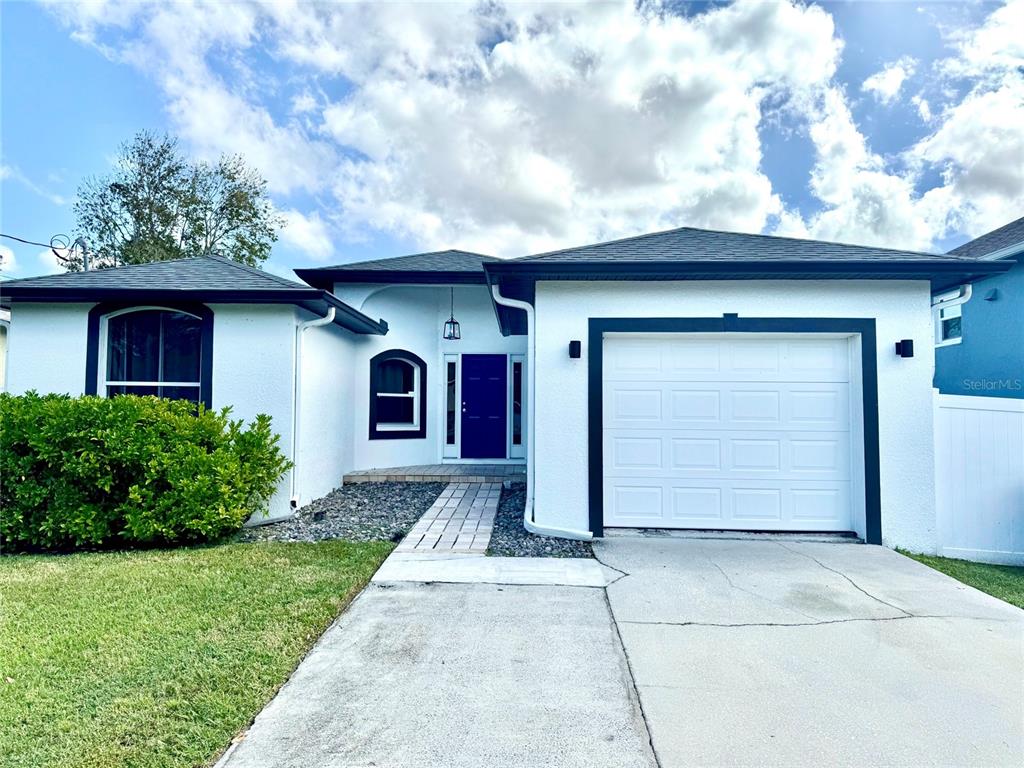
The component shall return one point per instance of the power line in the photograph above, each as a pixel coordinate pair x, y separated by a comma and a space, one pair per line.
30, 242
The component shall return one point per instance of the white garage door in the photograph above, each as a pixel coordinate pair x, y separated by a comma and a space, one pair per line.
727, 432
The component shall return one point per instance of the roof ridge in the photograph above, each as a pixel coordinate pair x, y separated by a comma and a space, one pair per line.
420, 254
646, 235
254, 271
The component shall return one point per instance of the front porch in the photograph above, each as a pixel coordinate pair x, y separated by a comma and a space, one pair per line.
441, 473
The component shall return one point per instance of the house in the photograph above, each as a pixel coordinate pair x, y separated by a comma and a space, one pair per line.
5, 326
979, 327
681, 379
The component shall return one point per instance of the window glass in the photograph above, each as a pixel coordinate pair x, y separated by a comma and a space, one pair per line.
182, 344
152, 346
395, 410
397, 397
133, 352
452, 409
395, 377
951, 323
517, 403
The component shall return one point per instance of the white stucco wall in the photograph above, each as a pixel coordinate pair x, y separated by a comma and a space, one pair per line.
46, 348
326, 412
901, 310
253, 372
415, 317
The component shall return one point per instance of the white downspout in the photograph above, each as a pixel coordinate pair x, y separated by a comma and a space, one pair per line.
531, 385
961, 298
297, 397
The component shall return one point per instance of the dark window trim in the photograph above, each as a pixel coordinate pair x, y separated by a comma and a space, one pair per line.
204, 313
864, 327
397, 434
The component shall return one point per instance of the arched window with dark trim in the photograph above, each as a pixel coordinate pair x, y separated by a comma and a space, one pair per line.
160, 351
398, 399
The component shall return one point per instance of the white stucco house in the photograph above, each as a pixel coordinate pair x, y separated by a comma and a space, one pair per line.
681, 379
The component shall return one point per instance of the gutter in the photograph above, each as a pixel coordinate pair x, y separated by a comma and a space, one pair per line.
961, 298
690, 269
294, 496
531, 389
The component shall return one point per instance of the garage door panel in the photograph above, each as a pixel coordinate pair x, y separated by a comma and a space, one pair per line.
742, 433
733, 405
695, 454
728, 505
633, 404
738, 359
641, 453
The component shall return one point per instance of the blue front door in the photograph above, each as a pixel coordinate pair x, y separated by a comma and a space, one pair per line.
484, 406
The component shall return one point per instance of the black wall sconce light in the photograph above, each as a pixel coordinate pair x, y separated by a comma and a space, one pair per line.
905, 348
575, 349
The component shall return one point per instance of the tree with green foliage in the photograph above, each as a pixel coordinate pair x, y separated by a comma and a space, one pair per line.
157, 205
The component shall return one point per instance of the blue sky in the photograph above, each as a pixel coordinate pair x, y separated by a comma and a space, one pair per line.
385, 130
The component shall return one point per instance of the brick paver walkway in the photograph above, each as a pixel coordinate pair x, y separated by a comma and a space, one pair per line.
460, 521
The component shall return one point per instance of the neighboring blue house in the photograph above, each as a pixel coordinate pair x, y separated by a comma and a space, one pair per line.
979, 328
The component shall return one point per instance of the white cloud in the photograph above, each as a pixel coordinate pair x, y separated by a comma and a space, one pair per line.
14, 174
308, 234
48, 261
885, 84
8, 262
924, 109
506, 129
517, 128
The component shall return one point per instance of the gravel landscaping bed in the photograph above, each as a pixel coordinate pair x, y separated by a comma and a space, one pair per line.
357, 512
511, 539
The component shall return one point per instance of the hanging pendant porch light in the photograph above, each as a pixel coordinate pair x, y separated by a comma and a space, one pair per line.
452, 331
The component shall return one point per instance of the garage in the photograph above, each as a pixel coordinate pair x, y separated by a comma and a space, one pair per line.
731, 431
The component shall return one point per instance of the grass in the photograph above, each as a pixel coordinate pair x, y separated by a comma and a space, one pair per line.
157, 659
1003, 581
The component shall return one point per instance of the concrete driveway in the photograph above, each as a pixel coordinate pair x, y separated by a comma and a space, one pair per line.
686, 652
785, 653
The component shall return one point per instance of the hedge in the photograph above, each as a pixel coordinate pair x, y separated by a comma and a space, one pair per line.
128, 471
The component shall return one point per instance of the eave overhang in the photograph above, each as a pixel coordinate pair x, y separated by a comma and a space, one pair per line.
942, 273
314, 300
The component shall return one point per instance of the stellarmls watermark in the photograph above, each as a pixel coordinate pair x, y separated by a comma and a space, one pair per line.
993, 385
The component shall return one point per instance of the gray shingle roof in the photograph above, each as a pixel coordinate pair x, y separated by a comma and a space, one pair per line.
996, 240
688, 244
208, 273
433, 261
206, 279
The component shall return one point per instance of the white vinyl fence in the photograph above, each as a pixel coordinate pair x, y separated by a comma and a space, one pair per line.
979, 478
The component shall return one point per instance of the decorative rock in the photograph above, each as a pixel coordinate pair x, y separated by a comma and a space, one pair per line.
357, 512
510, 539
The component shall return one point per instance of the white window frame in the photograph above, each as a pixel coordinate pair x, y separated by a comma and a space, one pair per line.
946, 306
101, 369
415, 395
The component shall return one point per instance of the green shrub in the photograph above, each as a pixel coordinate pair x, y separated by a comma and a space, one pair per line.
124, 471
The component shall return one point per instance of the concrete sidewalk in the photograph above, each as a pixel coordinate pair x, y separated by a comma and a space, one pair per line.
421, 674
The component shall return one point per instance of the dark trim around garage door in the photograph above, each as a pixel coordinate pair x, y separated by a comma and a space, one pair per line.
598, 326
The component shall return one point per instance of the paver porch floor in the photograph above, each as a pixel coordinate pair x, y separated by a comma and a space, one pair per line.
439, 473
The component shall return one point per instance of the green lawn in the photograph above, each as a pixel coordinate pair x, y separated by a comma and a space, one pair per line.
1003, 581
158, 658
